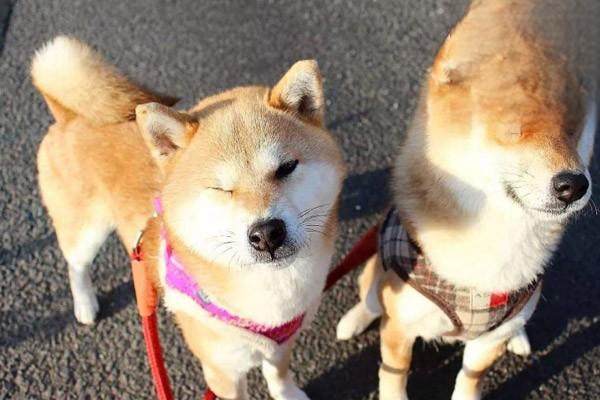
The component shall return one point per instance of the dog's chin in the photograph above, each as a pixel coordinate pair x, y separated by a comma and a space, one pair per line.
281, 258
551, 211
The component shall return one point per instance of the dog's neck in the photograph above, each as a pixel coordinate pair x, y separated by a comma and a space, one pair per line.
496, 248
266, 295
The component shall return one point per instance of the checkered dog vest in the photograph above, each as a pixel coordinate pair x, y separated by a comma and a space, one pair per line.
472, 312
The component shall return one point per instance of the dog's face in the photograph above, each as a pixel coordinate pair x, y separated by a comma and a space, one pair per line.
514, 131
253, 177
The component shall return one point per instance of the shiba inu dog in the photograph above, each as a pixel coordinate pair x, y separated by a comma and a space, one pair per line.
245, 188
492, 168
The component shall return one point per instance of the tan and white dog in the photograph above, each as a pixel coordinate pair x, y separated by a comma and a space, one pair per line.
493, 166
248, 181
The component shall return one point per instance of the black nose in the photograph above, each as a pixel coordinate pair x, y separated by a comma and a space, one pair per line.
267, 235
569, 186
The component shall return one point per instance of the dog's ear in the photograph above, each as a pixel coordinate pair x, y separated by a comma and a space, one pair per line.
301, 92
164, 130
446, 73
453, 63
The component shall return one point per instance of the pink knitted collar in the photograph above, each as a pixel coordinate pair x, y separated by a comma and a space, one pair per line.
177, 278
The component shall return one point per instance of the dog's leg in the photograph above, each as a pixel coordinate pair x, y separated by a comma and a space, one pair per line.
224, 363
279, 377
478, 357
519, 343
396, 355
227, 385
81, 222
79, 247
359, 317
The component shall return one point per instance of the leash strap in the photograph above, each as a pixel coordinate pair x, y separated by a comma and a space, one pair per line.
359, 253
155, 358
147, 300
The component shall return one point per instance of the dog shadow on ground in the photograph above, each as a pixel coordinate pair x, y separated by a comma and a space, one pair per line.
28, 324
433, 372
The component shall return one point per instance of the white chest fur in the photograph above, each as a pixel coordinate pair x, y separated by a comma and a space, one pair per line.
502, 250
264, 295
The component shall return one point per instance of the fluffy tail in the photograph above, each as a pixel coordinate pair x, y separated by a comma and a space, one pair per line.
77, 81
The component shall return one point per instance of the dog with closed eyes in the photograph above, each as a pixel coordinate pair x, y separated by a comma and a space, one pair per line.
492, 168
237, 199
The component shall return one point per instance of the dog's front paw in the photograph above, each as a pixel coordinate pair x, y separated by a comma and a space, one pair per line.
86, 308
356, 320
392, 394
465, 396
291, 392
465, 392
519, 344
392, 385
466, 388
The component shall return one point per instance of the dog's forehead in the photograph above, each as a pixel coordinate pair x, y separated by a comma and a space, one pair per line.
268, 157
245, 120
253, 144
253, 131
254, 165
248, 140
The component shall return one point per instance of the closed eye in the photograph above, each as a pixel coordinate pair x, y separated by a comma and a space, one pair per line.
218, 189
286, 169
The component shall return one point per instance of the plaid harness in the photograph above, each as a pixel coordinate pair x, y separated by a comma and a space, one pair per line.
471, 311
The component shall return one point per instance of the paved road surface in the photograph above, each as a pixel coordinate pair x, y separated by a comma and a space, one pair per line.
372, 55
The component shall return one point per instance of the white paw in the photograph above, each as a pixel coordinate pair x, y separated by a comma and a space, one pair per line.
291, 392
356, 320
392, 386
519, 344
401, 396
457, 395
465, 388
393, 394
86, 308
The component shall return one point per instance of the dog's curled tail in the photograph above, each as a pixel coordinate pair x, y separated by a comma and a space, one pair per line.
76, 81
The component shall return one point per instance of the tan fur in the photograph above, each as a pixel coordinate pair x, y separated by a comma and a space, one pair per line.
294, 97
368, 275
500, 106
98, 172
503, 77
76, 183
235, 108
471, 375
203, 342
86, 84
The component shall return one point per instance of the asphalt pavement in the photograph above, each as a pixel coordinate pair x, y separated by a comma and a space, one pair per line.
372, 55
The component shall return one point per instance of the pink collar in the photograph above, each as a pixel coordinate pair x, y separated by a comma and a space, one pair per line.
178, 279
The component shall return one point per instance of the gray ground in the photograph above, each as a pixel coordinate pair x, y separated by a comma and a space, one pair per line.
372, 55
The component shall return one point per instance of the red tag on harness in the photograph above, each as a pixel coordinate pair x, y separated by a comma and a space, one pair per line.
498, 299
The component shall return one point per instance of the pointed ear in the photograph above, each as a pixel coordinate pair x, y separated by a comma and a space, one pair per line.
301, 91
446, 74
459, 59
448, 68
164, 130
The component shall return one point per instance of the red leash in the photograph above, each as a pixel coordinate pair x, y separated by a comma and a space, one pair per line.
358, 254
147, 300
